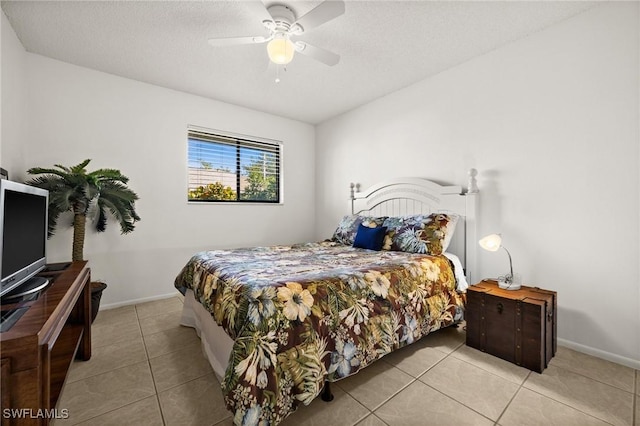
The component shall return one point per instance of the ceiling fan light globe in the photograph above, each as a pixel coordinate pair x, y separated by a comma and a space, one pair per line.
280, 51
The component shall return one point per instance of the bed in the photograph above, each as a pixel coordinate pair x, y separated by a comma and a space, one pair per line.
278, 324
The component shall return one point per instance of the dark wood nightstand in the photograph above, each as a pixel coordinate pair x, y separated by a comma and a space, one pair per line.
516, 325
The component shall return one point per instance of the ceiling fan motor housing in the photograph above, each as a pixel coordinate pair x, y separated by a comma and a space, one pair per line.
282, 16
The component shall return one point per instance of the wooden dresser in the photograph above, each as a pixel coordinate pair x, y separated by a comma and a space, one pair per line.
37, 351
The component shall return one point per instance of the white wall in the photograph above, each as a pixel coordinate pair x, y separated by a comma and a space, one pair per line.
13, 108
77, 113
551, 123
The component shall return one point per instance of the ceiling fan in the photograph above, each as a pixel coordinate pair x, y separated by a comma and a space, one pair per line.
282, 25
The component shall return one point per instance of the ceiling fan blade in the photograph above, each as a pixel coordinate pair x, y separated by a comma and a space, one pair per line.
324, 12
324, 56
259, 10
232, 41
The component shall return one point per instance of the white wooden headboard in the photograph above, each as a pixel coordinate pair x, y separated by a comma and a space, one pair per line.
407, 196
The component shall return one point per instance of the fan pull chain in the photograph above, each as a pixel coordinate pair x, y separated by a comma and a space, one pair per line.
284, 68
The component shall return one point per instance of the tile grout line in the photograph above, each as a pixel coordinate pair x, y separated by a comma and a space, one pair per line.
113, 343
450, 354
188, 381
458, 402
354, 398
371, 411
107, 371
512, 398
153, 376
115, 408
580, 410
491, 372
636, 398
593, 378
230, 415
569, 406
363, 417
118, 368
520, 385
412, 381
137, 322
111, 411
158, 315
118, 339
223, 420
153, 379
154, 316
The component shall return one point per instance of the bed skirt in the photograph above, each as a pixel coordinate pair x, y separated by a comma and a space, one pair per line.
216, 344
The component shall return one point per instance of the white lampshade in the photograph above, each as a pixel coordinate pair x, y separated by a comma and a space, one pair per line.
280, 50
491, 242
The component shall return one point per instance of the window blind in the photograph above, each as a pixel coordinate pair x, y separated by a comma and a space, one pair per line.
225, 168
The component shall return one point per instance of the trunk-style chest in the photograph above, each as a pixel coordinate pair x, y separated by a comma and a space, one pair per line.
516, 325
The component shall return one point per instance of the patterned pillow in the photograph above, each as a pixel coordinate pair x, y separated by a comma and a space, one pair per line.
420, 233
346, 231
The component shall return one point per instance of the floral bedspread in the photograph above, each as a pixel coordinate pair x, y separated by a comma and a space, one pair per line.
303, 314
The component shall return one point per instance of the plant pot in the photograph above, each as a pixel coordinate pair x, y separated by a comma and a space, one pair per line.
96, 294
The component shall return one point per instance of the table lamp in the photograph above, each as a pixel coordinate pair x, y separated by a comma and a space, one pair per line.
509, 281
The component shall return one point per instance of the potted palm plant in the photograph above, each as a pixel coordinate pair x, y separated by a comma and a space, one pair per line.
101, 191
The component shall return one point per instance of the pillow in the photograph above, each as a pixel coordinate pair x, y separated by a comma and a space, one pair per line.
370, 238
346, 231
420, 233
449, 228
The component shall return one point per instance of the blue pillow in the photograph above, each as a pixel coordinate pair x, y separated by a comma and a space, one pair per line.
370, 238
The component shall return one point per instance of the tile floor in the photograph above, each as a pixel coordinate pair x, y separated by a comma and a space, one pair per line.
148, 370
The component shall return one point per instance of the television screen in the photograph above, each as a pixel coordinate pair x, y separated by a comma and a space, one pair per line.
24, 232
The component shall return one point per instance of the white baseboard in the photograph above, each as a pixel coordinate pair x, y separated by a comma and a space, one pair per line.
629, 362
136, 301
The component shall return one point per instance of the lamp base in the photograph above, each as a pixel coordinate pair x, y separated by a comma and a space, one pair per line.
509, 282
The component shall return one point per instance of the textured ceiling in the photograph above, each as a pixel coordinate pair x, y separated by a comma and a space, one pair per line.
384, 45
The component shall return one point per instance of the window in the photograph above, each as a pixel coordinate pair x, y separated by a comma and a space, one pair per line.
224, 168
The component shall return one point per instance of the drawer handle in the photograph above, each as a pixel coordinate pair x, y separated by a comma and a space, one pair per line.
500, 308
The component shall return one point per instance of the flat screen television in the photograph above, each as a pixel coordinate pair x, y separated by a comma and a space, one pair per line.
23, 227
